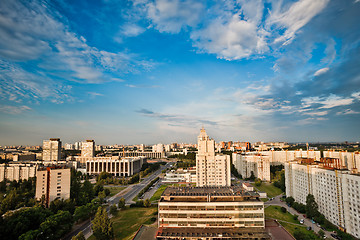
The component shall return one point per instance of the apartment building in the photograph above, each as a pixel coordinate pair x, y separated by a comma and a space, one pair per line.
256, 163
17, 171
211, 169
115, 165
350, 160
88, 149
53, 183
52, 149
210, 213
335, 188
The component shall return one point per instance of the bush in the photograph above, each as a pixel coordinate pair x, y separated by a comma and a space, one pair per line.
283, 209
113, 210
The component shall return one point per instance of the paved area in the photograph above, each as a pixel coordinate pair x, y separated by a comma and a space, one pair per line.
276, 231
146, 233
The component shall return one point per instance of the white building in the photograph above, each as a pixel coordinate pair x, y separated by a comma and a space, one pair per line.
247, 163
181, 175
88, 148
52, 149
211, 169
17, 171
115, 165
158, 148
336, 190
349, 160
210, 213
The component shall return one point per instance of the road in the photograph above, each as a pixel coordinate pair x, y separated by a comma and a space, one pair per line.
307, 222
130, 192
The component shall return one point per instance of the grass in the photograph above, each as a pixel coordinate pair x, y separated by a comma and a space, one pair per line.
158, 193
128, 221
114, 190
292, 228
275, 212
270, 189
264, 199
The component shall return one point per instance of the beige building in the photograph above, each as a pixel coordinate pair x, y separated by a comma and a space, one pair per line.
52, 149
88, 149
335, 188
247, 163
211, 169
210, 213
115, 165
17, 171
53, 183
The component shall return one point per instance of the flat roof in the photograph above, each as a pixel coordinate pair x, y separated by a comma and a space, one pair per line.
208, 191
246, 233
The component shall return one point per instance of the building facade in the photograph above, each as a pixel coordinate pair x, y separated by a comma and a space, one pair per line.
211, 169
53, 183
88, 149
256, 163
52, 149
115, 165
210, 213
335, 188
17, 171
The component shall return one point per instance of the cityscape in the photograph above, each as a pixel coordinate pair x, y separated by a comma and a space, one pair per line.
180, 119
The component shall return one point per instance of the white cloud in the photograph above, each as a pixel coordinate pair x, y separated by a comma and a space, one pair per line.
231, 39
356, 95
326, 102
295, 17
14, 109
173, 15
347, 112
131, 30
321, 71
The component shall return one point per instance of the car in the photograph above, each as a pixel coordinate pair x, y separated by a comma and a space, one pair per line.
322, 228
312, 221
308, 228
302, 221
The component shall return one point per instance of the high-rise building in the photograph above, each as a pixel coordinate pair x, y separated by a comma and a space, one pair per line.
88, 148
336, 190
53, 183
52, 149
211, 169
252, 163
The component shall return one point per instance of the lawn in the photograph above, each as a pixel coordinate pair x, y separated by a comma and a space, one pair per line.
270, 189
128, 221
114, 190
292, 228
275, 212
158, 193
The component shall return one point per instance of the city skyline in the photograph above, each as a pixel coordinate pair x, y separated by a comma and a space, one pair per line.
157, 71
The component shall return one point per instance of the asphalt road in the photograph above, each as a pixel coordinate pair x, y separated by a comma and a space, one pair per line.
131, 192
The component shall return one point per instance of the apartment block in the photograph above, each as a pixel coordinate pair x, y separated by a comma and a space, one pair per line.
210, 213
256, 163
335, 188
17, 171
53, 183
211, 169
52, 149
88, 149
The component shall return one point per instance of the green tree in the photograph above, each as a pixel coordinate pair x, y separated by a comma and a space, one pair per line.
113, 210
258, 182
79, 236
56, 226
321, 233
121, 203
102, 226
311, 206
102, 196
252, 176
147, 203
290, 201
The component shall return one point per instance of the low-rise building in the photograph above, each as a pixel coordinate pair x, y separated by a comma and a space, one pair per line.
181, 176
210, 213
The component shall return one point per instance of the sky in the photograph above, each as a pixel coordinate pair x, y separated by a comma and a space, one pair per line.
150, 71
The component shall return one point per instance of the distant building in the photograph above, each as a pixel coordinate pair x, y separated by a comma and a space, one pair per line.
17, 171
24, 157
211, 169
88, 148
114, 165
52, 149
210, 213
53, 183
158, 148
335, 188
181, 176
256, 163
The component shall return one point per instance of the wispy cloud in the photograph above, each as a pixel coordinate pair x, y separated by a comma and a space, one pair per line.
321, 71
14, 109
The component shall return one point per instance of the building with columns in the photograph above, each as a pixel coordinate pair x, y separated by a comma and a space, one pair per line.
211, 169
115, 165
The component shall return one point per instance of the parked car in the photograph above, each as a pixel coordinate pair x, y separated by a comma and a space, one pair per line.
302, 221
308, 228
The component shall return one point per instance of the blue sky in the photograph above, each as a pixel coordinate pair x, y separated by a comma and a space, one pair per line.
144, 71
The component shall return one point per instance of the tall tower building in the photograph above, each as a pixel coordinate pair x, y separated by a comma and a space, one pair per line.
88, 148
211, 169
52, 149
